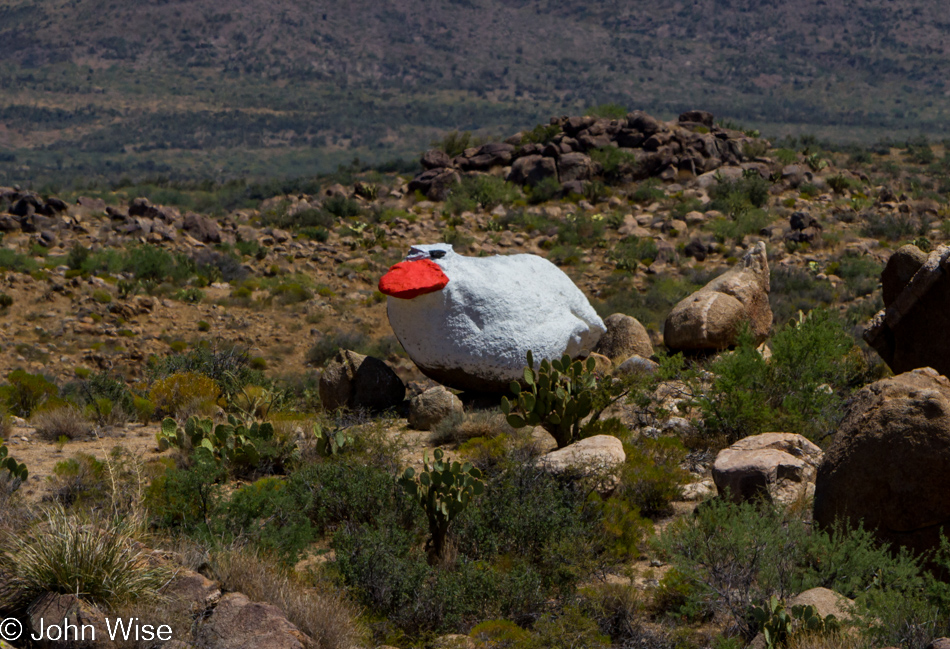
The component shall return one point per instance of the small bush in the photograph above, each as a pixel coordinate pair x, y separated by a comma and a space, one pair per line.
66, 422
649, 191
618, 165
107, 400
630, 252
745, 222
342, 206
96, 559
651, 477
738, 196
228, 365
482, 191
184, 393
546, 190
12, 260
25, 392
329, 620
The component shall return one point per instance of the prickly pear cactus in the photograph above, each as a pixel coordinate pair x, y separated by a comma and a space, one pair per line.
331, 442
558, 397
16, 469
233, 442
444, 489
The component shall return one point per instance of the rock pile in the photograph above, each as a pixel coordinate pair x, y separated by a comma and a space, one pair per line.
690, 145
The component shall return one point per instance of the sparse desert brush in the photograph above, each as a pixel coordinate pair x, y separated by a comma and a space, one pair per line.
184, 394
458, 429
321, 613
96, 558
66, 421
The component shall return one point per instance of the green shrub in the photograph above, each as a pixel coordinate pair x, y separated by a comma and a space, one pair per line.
648, 191
745, 222
12, 260
618, 165
546, 190
346, 491
733, 197
454, 143
25, 392
342, 206
291, 293
609, 111
482, 191
271, 514
581, 230
651, 477
96, 390
541, 134
184, 393
893, 227
229, 367
861, 274
5, 301
632, 251
729, 557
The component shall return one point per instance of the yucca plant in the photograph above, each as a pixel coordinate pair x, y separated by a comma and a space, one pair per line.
96, 559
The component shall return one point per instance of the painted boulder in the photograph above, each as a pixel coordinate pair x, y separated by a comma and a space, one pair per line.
468, 322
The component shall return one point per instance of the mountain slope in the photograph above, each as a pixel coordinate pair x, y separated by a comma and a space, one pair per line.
251, 87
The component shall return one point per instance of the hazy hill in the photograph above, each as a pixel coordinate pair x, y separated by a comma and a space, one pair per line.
211, 89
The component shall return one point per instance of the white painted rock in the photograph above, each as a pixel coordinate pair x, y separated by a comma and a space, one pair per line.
468, 322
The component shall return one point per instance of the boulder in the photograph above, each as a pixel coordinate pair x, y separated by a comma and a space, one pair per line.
911, 331
939, 643
887, 464
625, 337
702, 117
711, 317
598, 456
574, 166
194, 589
201, 228
532, 169
55, 609
435, 184
432, 406
469, 322
355, 381
826, 602
638, 365
436, 159
779, 467
239, 623
899, 270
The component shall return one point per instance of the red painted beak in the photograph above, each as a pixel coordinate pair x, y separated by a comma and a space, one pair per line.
409, 279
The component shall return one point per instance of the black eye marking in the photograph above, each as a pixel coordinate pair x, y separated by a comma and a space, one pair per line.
436, 254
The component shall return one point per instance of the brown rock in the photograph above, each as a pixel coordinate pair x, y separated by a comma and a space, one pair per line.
911, 331
900, 269
625, 337
779, 467
887, 465
596, 456
432, 406
574, 166
711, 317
85, 622
436, 159
826, 602
239, 623
435, 184
940, 643
532, 169
194, 589
202, 228
361, 382
602, 364
697, 117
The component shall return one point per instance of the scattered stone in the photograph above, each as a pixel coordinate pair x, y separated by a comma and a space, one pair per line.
698, 491
432, 406
625, 337
780, 467
711, 317
886, 466
355, 381
239, 623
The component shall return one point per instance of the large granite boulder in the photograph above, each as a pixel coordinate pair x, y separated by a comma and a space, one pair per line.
779, 467
887, 465
360, 382
711, 317
532, 169
911, 331
625, 337
468, 322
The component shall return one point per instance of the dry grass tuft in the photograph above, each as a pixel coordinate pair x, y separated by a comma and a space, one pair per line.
325, 616
68, 422
97, 559
459, 429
